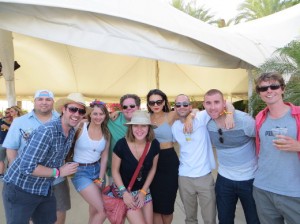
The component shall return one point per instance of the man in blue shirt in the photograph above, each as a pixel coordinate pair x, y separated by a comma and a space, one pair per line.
27, 191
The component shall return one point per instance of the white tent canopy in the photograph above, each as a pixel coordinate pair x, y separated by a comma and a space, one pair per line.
60, 46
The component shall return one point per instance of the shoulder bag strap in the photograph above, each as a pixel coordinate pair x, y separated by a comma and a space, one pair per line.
138, 168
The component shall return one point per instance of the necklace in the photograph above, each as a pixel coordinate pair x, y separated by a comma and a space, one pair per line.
140, 175
156, 119
94, 144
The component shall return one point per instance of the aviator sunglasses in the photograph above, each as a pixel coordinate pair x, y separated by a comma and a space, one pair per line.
128, 106
73, 110
265, 88
157, 102
183, 104
221, 139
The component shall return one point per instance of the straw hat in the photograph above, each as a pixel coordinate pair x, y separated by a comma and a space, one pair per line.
140, 117
71, 98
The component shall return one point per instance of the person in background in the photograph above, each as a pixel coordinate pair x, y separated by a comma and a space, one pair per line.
15, 111
27, 191
129, 103
92, 146
4, 124
236, 156
126, 155
277, 181
18, 136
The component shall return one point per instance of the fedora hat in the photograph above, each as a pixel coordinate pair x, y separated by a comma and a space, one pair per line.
71, 98
140, 117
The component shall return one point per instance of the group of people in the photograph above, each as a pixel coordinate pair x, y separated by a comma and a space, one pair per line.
252, 166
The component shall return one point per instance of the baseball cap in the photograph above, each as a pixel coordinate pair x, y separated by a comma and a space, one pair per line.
43, 93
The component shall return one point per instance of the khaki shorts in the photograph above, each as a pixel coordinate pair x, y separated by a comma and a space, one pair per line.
62, 195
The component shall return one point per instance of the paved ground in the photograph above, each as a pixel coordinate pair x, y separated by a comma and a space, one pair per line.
79, 212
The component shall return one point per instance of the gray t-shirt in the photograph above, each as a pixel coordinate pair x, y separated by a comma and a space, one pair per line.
278, 171
236, 155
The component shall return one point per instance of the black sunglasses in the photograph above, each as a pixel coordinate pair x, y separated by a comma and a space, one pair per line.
157, 102
265, 88
184, 104
73, 110
127, 106
221, 139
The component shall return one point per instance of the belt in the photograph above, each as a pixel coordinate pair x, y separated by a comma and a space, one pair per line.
88, 164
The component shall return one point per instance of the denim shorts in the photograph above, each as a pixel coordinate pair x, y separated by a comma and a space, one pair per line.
85, 176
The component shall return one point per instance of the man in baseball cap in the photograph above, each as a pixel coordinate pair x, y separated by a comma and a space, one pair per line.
30, 177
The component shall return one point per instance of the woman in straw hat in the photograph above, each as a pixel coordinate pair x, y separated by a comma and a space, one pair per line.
126, 155
91, 145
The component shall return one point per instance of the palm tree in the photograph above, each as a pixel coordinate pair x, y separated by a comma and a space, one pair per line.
254, 9
191, 8
286, 60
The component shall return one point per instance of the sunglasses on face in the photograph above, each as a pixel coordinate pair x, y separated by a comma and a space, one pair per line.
157, 102
183, 104
73, 110
221, 139
128, 106
265, 88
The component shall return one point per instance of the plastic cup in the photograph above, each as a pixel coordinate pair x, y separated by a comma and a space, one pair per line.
188, 137
278, 131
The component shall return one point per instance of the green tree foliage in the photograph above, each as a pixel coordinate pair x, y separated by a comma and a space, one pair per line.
191, 8
286, 60
254, 9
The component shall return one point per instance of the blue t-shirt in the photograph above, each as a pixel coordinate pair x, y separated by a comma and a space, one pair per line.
20, 130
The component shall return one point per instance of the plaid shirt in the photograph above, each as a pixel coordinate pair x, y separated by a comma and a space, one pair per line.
47, 146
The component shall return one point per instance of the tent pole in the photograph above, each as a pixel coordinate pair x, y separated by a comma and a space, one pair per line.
250, 90
157, 74
7, 61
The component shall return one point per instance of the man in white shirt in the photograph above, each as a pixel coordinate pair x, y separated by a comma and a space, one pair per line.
196, 163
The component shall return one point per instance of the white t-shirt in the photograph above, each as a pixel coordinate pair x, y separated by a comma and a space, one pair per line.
196, 156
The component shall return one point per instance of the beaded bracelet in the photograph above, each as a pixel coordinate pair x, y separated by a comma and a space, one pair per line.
143, 192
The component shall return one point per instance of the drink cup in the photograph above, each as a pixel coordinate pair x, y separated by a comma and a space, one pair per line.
188, 137
278, 131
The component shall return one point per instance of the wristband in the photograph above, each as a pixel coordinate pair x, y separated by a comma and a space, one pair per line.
98, 181
57, 173
53, 172
143, 192
225, 112
121, 188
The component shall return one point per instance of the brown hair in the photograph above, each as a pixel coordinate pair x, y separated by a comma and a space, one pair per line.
104, 127
131, 138
213, 92
269, 76
18, 109
132, 96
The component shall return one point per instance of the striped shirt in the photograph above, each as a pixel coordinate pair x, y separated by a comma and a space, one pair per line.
47, 146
